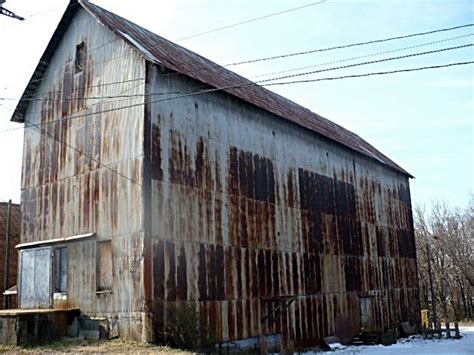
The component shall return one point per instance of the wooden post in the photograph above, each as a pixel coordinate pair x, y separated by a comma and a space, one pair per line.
6, 275
433, 297
457, 335
448, 331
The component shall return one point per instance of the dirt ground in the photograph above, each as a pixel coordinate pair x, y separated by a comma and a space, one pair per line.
73, 346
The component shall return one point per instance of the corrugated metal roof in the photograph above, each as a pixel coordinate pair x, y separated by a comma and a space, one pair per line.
184, 61
15, 222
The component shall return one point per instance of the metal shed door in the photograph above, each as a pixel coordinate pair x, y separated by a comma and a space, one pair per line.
366, 314
35, 278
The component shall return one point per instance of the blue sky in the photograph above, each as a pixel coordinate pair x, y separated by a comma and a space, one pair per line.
424, 120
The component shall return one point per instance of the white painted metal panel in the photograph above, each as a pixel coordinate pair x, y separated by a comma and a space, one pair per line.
366, 313
27, 274
35, 278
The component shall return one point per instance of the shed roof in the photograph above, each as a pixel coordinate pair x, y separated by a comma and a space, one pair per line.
177, 58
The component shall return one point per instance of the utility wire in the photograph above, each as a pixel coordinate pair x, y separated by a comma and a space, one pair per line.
267, 74
49, 135
42, 131
257, 76
7, 28
365, 56
272, 79
387, 72
369, 62
251, 20
258, 59
327, 49
249, 84
348, 45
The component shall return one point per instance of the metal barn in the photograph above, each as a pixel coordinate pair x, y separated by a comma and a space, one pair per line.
153, 178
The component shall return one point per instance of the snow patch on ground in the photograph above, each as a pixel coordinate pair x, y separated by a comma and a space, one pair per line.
417, 345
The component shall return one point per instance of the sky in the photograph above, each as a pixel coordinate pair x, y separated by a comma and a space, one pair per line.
422, 120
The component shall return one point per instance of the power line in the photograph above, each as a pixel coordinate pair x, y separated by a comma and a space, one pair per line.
251, 20
42, 131
266, 74
366, 55
258, 59
6, 28
369, 62
387, 72
249, 84
348, 45
327, 49
297, 8
277, 78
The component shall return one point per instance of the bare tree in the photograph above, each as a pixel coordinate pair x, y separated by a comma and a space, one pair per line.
449, 234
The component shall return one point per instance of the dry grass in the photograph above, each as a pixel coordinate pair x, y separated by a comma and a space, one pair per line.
73, 346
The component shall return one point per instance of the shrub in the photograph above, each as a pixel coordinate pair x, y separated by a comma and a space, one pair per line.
185, 330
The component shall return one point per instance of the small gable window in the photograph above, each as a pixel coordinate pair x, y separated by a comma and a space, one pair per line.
80, 57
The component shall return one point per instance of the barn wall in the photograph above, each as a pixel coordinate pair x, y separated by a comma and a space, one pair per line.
247, 207
65, 193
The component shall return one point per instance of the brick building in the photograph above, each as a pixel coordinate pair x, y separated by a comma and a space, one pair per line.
15, 239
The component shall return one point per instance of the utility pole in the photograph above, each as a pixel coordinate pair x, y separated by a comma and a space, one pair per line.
6, 275
8, 13
433, 299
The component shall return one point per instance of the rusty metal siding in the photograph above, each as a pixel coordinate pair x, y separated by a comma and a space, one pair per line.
248, 209
65, 193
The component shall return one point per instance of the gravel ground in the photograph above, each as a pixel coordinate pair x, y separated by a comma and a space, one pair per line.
73, 346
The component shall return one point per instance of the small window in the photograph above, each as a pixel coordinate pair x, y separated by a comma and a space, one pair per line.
80, 57
60, 262
104, 266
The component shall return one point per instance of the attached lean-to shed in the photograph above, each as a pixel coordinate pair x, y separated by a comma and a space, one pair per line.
155, 178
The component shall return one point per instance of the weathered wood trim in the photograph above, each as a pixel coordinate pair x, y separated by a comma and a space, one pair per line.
74, 238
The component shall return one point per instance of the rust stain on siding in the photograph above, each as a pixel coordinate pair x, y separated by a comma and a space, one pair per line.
338, 253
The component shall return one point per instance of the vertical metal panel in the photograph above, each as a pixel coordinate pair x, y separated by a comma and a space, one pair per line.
42, 280
27, 272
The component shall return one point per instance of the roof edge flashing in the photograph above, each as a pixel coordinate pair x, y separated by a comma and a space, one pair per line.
41, 243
